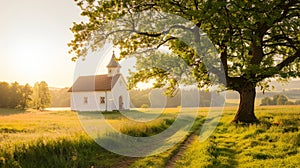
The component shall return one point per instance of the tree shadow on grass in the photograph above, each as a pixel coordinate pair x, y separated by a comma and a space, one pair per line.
226, 157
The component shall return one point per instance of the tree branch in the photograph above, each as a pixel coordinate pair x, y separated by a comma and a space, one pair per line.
163, 32
271, 71
288, 60
163, 42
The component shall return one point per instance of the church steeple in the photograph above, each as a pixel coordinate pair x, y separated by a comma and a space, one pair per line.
113, 66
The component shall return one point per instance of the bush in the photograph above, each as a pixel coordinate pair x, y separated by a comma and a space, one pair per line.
266, 101
289, 103
144, 106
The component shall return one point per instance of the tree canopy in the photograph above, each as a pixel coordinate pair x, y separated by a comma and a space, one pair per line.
18, 96
14, 95
255, 40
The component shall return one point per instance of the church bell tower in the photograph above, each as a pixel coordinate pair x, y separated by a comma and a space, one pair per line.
113, 66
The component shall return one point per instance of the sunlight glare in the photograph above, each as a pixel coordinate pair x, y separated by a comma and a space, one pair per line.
28, 57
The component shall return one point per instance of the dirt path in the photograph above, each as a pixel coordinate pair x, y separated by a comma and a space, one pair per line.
126, 162
172, 162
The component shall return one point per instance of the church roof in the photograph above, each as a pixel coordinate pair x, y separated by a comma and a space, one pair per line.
113, 62
94, 83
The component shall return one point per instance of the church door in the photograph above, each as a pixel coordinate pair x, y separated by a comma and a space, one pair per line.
121, 103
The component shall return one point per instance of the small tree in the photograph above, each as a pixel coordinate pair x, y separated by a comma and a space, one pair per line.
282, 100
41, 96
26, 92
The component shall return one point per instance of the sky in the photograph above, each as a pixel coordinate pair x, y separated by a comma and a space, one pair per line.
33, 41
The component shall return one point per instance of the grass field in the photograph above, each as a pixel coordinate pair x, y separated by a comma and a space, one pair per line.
56, 139
275, 142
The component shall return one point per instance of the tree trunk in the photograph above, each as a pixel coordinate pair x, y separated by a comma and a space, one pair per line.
245, 112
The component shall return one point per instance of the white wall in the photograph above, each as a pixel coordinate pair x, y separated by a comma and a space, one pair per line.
93, 104
118, 90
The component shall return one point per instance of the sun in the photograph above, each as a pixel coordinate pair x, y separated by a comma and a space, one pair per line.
29, 57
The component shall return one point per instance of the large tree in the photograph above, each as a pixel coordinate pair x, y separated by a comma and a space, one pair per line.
256, 40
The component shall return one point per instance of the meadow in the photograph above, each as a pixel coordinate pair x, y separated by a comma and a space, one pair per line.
56, 139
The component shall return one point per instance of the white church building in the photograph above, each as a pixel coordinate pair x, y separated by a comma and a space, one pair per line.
105, 92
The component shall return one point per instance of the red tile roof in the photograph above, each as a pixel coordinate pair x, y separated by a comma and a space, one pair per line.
94, 83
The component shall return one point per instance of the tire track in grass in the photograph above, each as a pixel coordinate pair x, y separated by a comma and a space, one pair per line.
220, 151
181, 149
225, 151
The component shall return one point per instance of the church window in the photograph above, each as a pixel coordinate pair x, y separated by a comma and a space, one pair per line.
85, 100
102, 100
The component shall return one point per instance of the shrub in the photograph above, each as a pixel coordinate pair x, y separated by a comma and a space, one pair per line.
266, 101
289, 103
144, 106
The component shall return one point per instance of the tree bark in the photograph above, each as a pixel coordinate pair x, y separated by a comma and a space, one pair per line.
245, 112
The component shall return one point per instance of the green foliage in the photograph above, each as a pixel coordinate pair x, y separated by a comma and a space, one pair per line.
4, 94
266, 101
144, 106
14, 95
259, 39
24, 96
41, 96
26, 92
166, 69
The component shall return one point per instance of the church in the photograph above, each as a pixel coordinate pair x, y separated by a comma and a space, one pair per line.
106, 92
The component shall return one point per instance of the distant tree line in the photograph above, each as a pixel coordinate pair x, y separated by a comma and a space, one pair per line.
14, 95
60, 97
155, 98
278, 99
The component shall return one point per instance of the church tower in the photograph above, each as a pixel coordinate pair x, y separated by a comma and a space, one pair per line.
113, 66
